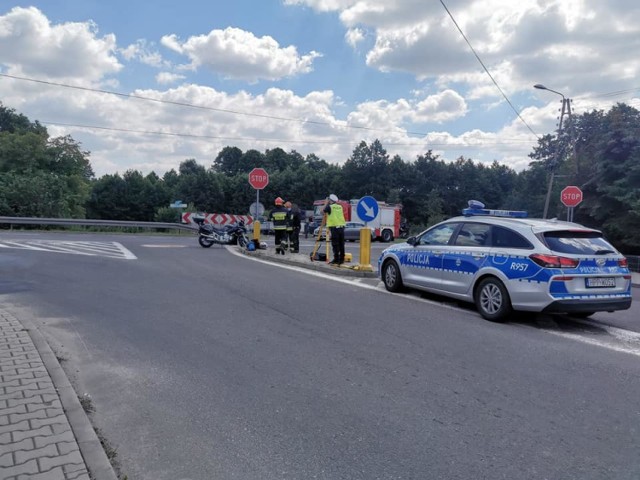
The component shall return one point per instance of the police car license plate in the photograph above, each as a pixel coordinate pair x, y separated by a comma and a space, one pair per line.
600, 282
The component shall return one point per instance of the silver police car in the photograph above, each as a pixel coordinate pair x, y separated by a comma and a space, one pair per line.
503, 261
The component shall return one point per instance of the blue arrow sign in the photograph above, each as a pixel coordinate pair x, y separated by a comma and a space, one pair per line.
367, 209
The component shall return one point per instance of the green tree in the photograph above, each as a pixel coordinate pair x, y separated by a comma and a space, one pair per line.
612, 194
12, 122
229, 161
366, 171
201, 187
434, 208
40, 176
64, 157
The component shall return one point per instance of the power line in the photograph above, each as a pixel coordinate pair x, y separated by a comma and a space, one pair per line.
185, 135
258, 139
487, 70
611, 94
202, 107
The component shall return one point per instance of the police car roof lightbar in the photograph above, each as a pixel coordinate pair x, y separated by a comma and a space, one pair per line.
470, 212
476, 207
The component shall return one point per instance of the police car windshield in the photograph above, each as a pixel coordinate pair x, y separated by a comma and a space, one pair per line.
579, 243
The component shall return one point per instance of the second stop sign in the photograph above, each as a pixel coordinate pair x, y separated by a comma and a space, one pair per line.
571, 196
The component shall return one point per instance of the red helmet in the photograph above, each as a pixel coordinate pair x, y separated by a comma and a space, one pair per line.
279, 201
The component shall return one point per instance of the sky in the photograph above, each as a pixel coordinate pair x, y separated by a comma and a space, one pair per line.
146, 85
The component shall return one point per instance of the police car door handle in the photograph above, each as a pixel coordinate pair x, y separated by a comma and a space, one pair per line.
479, 255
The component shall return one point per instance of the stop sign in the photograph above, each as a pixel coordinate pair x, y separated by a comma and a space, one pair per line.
258, 178
571, 196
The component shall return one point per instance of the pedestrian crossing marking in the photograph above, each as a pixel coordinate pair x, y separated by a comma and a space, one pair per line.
95, 249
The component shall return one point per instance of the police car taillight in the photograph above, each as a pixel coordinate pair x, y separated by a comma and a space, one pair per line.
553, 261
623, 263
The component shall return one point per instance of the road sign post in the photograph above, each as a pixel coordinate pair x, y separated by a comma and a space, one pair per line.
258, 179
571, 197
367, 211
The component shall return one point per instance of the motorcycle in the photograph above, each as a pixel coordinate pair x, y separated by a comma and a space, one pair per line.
228, 235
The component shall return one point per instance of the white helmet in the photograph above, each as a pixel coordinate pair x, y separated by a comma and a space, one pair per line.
333, 197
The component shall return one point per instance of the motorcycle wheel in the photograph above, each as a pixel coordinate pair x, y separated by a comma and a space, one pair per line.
205, 242
242, 241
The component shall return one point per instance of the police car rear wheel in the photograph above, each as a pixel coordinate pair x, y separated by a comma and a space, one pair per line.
492, 300
391, 276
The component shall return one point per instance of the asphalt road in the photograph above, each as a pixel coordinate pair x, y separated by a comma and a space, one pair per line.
206, 365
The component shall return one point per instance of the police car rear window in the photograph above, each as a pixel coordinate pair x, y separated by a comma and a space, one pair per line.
579, 243
505, 238
473, 235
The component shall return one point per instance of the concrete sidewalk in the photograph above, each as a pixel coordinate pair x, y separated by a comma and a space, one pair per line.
44, 432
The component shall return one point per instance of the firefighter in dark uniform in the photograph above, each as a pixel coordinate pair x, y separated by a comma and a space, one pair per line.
336, 224
280, 218
294, 226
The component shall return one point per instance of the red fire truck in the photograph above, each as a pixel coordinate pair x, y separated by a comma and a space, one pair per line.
386, 225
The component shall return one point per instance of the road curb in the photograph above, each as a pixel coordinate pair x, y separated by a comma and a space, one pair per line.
90, 447
303, 260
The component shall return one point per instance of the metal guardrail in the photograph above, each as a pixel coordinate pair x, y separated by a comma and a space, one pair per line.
93, 223
634, 263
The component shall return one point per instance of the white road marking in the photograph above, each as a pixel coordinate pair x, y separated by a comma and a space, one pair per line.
626, 341
162, 245
618, 340
94, 249
356, 282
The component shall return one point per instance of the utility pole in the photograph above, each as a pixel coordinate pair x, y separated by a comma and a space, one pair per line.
566, 110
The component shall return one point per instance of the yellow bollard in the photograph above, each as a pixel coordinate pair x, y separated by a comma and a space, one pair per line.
256, 232
365, 250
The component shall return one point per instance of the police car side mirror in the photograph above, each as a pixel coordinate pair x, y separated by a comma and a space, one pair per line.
411, 240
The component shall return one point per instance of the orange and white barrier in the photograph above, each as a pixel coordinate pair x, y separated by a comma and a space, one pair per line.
217, 218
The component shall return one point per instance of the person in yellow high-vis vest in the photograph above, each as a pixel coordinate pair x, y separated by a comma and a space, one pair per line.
336, 224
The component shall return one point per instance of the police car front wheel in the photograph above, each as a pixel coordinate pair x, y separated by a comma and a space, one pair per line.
391, 276
492, 300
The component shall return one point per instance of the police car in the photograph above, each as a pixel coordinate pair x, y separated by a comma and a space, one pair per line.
503, 261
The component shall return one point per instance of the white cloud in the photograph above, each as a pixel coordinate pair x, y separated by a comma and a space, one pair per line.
354, 36
31, 45
239, 54
445, 106
166, 78
323, 5
144, 53
579, 47
385, 115
578, 44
